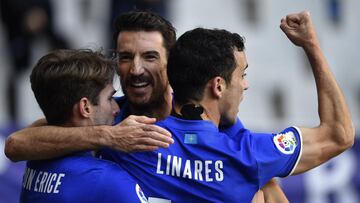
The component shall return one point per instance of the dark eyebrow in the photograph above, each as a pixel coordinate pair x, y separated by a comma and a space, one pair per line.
152, 52
123, 52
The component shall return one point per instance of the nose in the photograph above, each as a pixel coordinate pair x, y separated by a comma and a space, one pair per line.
115, 107
245, 84
137, 67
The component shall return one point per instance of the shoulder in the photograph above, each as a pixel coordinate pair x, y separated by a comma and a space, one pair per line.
116, 185
234, 129
113, 173
181, 124
87, 165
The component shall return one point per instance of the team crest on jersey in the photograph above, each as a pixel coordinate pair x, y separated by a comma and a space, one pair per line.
140, 194
285, 142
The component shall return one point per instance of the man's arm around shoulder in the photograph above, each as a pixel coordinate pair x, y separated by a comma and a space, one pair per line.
136, 133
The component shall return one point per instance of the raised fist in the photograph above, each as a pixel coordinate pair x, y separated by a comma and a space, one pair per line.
299, 28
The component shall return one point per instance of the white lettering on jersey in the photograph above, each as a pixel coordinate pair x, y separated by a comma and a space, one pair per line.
45, 182
187, 170
220, 174
37, 181
58, 182
197, 170
28, 178
208, 171
176, 166
191, 169
158, 168
168, 164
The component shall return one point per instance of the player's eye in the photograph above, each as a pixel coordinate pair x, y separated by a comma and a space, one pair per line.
150, 57
123, 58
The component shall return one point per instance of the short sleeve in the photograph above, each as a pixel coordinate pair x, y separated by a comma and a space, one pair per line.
277, 155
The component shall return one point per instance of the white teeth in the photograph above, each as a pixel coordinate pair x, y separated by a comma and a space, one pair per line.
139, 84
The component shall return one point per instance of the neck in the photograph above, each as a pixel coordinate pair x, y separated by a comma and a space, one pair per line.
210, 112
159, 111
78, 122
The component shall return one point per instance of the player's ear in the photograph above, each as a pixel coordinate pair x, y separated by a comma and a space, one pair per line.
218, 86
85, 107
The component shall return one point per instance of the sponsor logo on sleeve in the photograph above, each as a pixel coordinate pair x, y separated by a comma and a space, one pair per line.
285, 142
140, 194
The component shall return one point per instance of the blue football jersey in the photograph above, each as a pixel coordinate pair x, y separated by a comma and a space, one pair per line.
206, 165
78, 178
124, 109
234, 130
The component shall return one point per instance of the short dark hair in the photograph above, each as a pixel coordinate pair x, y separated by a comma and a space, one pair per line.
62, 77
198, 56
146, 21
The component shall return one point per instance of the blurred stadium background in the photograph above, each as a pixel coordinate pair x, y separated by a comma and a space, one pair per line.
282, 90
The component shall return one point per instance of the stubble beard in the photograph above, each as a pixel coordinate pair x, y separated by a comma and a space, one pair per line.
151, 105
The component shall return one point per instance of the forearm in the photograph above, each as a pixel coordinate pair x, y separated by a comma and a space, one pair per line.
335, 132
273, 193
46, 142
136, 133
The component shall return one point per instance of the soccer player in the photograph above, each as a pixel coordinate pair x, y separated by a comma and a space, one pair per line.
207, 69
74, 88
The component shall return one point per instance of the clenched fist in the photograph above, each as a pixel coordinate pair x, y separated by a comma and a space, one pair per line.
299, 29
